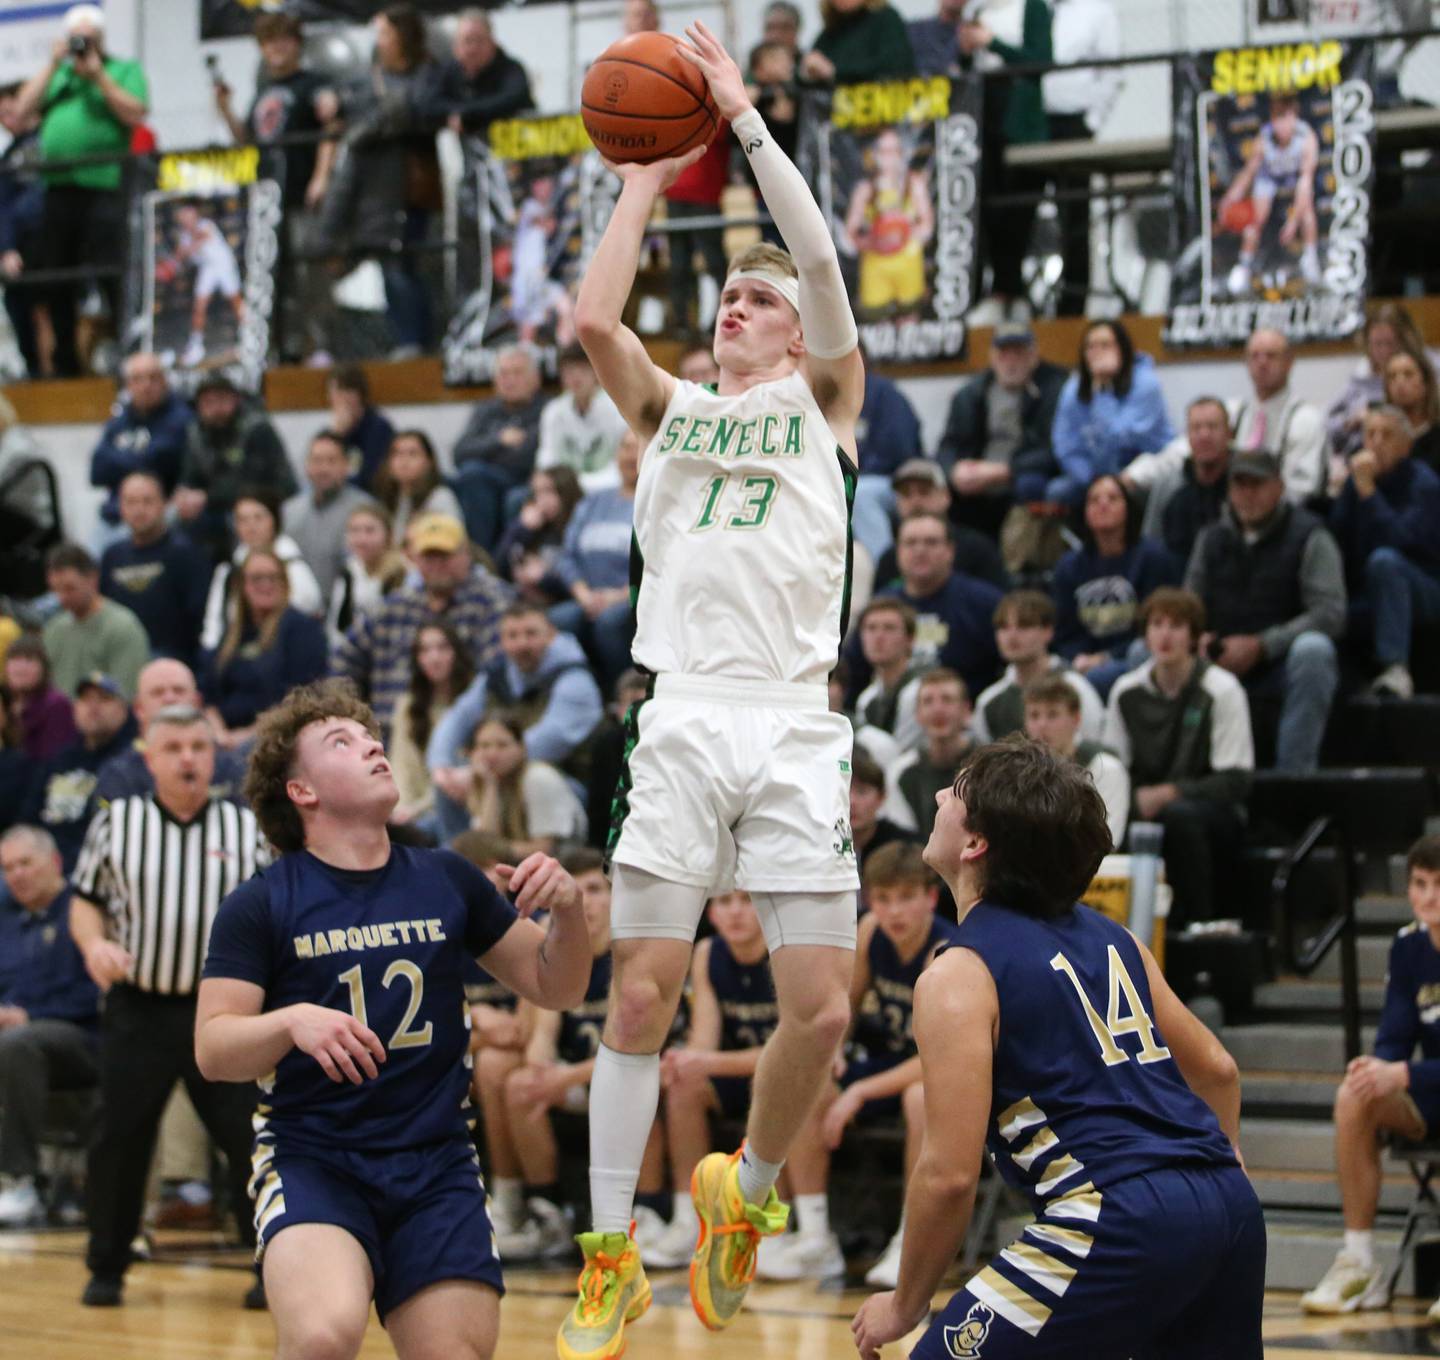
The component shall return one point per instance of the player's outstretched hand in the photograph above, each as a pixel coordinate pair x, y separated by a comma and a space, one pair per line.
538, 883
660, 175
345, 1049
878, 1324
719, 69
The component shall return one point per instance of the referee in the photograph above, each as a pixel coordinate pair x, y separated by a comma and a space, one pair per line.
150, 878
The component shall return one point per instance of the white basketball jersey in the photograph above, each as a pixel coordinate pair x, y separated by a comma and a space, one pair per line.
1283, 163
742, 525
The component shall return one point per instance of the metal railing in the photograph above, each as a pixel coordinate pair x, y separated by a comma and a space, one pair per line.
1303, 958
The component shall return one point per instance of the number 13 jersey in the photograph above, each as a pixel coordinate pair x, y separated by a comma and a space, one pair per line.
740, 565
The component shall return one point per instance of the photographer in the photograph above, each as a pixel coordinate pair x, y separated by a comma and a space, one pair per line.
89, 102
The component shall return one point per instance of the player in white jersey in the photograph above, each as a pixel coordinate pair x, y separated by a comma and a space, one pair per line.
737, 774
1282, 163
203, 244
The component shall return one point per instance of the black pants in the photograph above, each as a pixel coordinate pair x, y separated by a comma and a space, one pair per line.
37, 1058
1202, 850
81, 227
147, 1044
1074, 220
710, 242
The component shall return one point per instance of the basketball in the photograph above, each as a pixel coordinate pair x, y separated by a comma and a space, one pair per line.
1237, 216
642, 101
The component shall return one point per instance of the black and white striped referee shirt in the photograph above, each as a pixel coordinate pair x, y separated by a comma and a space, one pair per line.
162, 881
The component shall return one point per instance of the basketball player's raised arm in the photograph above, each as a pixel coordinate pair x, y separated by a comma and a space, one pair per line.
639, 388
956, 1011
549, 967
1240, 186
1208, 1069
832, 354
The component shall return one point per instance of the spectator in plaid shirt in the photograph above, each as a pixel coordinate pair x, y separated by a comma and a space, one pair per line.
375, 653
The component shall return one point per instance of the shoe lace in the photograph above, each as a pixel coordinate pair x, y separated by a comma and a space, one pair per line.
598, 1282
742, 1255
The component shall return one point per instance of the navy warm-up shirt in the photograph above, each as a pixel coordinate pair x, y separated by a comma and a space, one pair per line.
388, 945
1412, 1009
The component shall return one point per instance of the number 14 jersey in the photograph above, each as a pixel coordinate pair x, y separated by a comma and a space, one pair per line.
742, 548
1085, 1093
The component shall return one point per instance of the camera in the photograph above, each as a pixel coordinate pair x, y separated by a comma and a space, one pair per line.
79, 45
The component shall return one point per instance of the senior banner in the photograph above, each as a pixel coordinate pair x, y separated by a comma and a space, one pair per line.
1274, 169
200, 287
534, 201
895, 166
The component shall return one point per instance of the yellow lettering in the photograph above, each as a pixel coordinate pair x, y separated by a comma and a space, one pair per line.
404, 928
521, 138
208, 169
387, 935
1222, 78
371, 936
322, 945
303, 948
355, 939
437, 929
1290, 67
337, 942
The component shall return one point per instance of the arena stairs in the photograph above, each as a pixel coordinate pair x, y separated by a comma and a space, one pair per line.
1289, 1039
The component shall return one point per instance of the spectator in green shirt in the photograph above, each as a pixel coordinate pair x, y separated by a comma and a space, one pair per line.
861, 40
90, 633
89, 102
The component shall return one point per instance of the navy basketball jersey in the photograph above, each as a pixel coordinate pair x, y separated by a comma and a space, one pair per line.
1085, 1091
1412, 1011
581, 1026
388, 945
885, 1027
483, 990
746, 996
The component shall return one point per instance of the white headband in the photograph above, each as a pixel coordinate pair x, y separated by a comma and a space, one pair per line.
783, 284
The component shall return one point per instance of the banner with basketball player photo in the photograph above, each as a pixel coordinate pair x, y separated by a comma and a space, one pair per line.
1274, 170
896, 167
534, 200
201, 284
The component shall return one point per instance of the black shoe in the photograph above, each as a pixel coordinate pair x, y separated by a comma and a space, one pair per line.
103, 1291
254, 1300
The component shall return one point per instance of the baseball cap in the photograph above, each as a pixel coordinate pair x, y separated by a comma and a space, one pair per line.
919, 470
99, 680
436, 533
1012, 333
1260, 464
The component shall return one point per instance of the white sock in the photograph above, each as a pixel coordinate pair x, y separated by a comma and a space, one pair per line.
814, 1211
509, 1195
624, 1095
757, 1178
684, 1215
1360, 1243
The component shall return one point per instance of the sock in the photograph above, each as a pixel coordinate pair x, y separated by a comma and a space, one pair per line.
684, 1214
814, 1211
1360, 1243
757, 1178
509, 1197
550, 1192
624, 1095
658, 1200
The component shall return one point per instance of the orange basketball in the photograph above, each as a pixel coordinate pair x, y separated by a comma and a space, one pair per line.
1238, 215
642, 101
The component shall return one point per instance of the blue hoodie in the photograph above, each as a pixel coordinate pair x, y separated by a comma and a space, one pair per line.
571, 712
1108, 432
135, 443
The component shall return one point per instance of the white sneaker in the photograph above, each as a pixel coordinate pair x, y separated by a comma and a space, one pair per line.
505, 1223
1348, 1286
1433, 1314
20, 1203
1396, 680
802, 1257
1238, 280
674, 1245
1310, 266
194, 352
557, 1232
649, 1226
885, 1273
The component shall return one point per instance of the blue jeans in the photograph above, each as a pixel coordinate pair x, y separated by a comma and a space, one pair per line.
483, 494
1306, 680
607, 637
407, 302
1401, 593
874, 506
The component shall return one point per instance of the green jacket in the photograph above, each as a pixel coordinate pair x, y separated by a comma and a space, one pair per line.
870, 44
1025, 119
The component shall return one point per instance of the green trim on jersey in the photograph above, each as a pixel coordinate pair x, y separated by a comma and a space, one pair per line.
620, 803
850, 475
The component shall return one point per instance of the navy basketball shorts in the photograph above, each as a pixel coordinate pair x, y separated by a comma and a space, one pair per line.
419, 1213
1169, 1265
886, 1110
732, 1095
